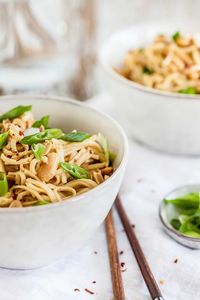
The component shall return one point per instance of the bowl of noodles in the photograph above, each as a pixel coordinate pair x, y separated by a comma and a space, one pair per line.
61, 166
153, 73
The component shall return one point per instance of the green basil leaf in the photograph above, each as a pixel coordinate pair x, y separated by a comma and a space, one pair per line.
38, 150
191, 224
104, 144
3, 139
183, 218
192, 234
189, 201
15, 112
75, 170
39, 137
176, 36
43, 121
75, 136
41, 202
190, 91
3, 184
112, 156
147, 70
176, 224
186, 212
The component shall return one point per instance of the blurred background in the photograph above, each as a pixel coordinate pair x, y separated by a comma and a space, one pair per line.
51, 46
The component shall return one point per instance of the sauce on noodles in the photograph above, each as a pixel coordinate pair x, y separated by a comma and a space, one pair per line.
41, 165
169, 64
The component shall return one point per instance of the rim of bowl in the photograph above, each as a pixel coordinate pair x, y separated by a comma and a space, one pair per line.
167, 226
90, 192
132, 84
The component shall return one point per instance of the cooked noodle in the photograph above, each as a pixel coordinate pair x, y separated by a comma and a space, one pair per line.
32, 180
168, 64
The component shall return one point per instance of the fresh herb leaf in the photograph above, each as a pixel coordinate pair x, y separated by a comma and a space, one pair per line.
176, 36
112, 156
43, 121
36, 138
38, 150
186, 212
3, 139
183, 218
147, 70
192, 234
191, 224
3, 184
15, 112
190, 91
75, 136
75, 170
104, 144
189, 201
176, 224
188, 208
41, 202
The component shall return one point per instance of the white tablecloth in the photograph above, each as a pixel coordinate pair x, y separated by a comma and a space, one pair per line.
149, 177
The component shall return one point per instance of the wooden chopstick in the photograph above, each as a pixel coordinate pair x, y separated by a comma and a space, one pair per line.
138, 252
118, 289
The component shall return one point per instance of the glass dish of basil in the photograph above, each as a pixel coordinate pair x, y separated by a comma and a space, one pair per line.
180, 215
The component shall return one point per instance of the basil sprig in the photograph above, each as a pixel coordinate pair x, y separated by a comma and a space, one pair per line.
75, 171
78, 136
3, 184
104, 144
190, 91
15, 112
175, 223
147, 70
43, 121
176, 36
3, 139
39, 137
189, 201
188, 211
112, 156
41, 202
38, 150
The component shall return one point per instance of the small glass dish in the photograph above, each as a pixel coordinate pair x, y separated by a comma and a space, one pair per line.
168, 212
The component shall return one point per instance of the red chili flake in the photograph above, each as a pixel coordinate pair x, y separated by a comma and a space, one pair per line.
122, 264
21, 133
95, 252
90, 292
176, 260
76, 290
94, 282
121, 252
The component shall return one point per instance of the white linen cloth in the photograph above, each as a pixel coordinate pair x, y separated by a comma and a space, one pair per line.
148, 178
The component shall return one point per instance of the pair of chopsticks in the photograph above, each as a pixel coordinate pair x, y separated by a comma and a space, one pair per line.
147, 274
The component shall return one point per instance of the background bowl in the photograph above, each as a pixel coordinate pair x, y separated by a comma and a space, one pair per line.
165, 121
35, 236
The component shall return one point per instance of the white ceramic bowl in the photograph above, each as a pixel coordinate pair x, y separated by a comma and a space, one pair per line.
166, 121
35, 236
